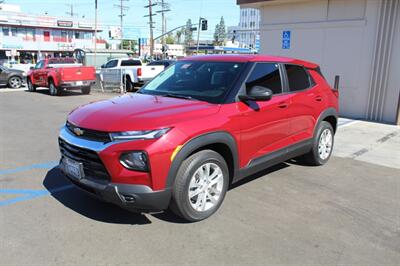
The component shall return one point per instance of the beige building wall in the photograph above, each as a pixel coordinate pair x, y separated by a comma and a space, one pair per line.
340, 35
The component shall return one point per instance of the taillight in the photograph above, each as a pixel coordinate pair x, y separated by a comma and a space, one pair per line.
139, 71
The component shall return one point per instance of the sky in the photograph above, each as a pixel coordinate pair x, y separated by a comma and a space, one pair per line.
135, 24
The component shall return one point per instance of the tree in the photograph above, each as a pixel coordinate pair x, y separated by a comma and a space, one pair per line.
170, 39
179, 35
188, 32
222, 31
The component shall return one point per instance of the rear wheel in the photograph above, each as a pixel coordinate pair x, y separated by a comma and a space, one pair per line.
200, 186
15, 82
85, 90
54, 91
128, 84
322, 145
31, 87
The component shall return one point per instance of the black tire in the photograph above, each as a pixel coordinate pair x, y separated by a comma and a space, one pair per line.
85, 90
128, 84
15, 82
314, 157
54, 91
180, 202
31, 87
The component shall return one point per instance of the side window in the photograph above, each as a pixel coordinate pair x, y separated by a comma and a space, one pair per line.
298, 78
266, 75
112, 63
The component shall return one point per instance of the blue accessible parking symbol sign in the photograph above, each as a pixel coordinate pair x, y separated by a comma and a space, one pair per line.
286, 39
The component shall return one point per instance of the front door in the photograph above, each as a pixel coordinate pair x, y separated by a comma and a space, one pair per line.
264, 124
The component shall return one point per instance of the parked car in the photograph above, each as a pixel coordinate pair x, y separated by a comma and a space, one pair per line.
12, 78
60, 74
202, 124
130, 71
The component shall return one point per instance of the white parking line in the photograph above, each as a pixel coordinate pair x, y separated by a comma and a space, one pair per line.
11, 90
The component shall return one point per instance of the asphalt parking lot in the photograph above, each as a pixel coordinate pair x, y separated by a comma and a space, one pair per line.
347, 212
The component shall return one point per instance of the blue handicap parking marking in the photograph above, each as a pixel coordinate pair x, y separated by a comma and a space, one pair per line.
28, 194
46, 165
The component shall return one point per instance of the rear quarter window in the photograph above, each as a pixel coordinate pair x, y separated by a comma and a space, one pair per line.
298, 78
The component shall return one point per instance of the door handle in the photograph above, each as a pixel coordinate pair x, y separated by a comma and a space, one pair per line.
283, 105
318, 98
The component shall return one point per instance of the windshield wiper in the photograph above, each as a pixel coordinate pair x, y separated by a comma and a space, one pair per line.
179, 96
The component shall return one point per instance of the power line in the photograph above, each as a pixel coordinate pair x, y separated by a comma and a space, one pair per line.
122, 8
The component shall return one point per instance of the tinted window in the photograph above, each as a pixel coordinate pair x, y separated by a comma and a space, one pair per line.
298, 78
39, 64
131, 63
201, 80
112, 63
266, 75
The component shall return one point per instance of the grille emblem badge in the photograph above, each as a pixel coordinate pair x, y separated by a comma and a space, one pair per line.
78, 131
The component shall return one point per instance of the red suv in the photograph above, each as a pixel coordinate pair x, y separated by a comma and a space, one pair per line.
200, 125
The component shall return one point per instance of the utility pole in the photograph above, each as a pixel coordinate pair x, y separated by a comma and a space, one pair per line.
150, 15
95, 32
122, 8
198, 35
71, 12
165, 7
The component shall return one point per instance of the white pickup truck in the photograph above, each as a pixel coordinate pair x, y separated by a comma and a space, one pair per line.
130, 71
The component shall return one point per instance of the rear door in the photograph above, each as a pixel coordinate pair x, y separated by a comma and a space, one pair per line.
306, 101
265, 126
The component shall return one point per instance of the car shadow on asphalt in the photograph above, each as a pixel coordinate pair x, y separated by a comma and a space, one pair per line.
45, 91
90, 207
86, 205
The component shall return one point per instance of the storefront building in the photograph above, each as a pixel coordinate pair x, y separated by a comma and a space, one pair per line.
26, 37
357, 40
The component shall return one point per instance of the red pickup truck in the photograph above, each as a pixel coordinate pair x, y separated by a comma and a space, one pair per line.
59, 74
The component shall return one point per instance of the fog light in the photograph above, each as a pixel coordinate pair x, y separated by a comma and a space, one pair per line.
136, 160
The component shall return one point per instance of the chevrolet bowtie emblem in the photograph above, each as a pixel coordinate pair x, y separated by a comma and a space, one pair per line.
78, 131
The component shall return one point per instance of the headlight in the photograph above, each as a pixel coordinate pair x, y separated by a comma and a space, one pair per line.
132, 135
136, 160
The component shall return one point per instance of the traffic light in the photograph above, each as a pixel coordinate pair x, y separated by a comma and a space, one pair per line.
204, 25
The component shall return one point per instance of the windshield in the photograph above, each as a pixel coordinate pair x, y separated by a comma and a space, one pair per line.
199, 80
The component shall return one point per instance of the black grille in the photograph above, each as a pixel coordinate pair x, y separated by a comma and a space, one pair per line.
89, 134
92, 164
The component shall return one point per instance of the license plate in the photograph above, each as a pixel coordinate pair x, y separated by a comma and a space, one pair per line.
73, 168
78, 83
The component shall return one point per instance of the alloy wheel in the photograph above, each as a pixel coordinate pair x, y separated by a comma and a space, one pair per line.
325, 144
205, 187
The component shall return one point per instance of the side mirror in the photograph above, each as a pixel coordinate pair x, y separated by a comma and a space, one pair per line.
32, 68
103, 66
257, 93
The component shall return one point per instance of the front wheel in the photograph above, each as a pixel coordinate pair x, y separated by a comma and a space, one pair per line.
15, 82
200, 186
322, 145
31, 87
85, 90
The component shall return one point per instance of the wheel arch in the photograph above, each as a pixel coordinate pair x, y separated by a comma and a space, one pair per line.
221, 142
330, 115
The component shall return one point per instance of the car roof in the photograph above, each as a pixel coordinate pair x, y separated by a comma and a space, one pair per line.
250, 58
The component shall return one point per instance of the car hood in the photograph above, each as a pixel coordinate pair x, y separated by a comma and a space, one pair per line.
139, 112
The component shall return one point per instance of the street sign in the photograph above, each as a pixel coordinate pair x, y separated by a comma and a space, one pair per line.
286, 39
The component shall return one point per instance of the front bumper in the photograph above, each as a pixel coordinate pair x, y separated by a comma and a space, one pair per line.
127, 196
138, 197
